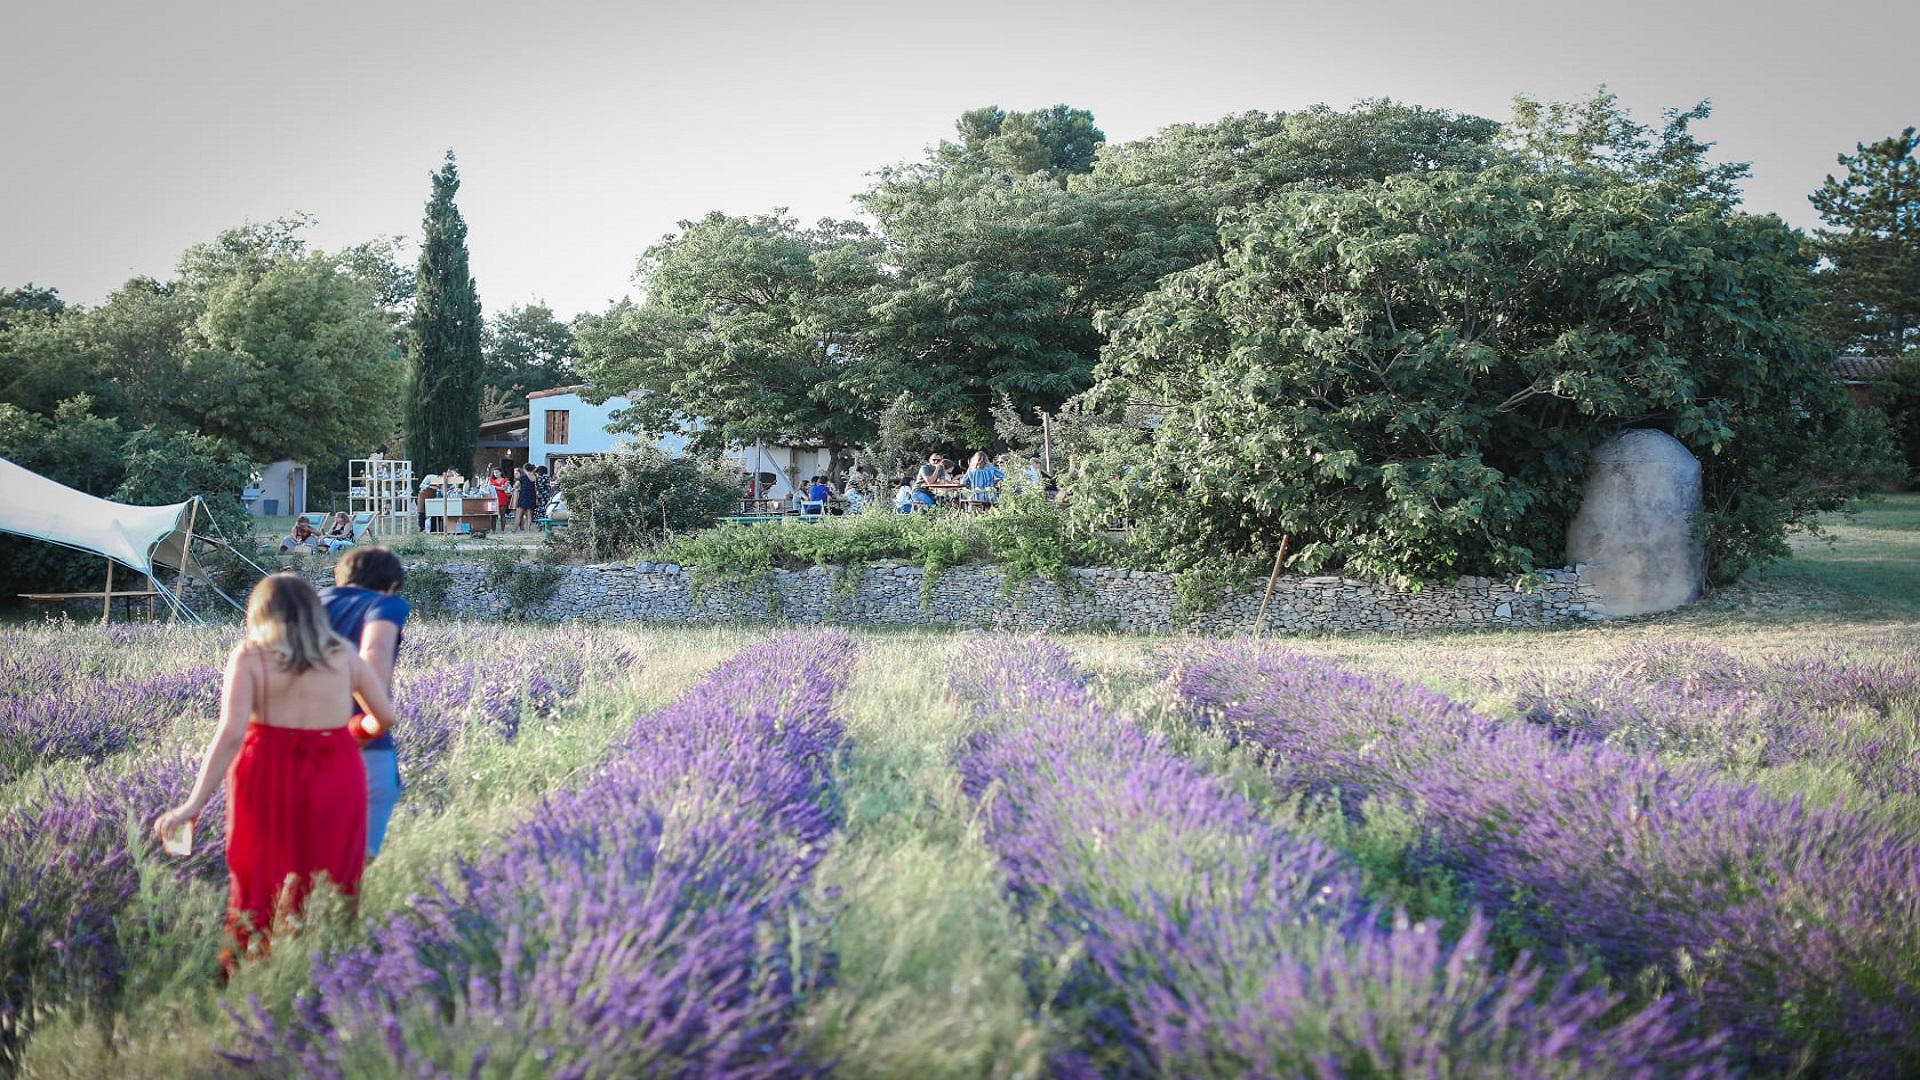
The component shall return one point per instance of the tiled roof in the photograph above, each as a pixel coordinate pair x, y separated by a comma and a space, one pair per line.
1860, 369
557, 391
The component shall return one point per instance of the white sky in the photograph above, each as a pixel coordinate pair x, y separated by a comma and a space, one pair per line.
586, 130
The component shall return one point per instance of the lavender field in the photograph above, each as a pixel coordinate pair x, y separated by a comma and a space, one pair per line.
1688, 848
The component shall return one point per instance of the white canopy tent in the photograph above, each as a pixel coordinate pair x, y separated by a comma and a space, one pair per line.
141, 538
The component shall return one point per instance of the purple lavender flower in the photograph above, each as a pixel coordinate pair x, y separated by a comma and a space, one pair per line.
1218, 944
635, 925
1796, 928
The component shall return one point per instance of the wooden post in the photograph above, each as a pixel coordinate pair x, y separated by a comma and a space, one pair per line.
106, 603
186, 558
1046, 443
1280, 557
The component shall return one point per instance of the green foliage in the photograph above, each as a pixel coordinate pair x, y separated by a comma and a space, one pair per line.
750, 324
1870, 279
526, 587
1186, 176
1597, 140
624, 500
527, 349
95, 455
1027, 536
167, 467
1407, 378
446, 368
280, 350
29, 298
427, 587
283, 352
1898, 395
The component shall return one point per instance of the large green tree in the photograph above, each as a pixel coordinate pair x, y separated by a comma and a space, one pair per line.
527, 349
278, 348
1870, 279
1005, 244
1406, 378
751, 325
446, 365
295, 362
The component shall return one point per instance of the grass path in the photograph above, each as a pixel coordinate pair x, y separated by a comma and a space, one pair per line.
175, 1018
929, 978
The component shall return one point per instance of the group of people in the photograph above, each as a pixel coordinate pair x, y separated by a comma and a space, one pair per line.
304, 743
938, 482
521, 492
939, 479
306, 538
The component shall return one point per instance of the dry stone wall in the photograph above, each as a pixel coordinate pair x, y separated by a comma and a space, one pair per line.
976, 597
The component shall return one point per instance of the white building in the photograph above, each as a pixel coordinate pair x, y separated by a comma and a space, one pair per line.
560, 424
277, 489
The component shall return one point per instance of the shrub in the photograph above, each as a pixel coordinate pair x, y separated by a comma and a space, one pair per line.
1028, 535
526, 586
1408, 378
621, 501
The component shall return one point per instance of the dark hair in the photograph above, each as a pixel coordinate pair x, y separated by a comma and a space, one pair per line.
375, 568
541, 469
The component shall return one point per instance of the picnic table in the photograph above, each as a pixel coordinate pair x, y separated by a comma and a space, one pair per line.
144, 596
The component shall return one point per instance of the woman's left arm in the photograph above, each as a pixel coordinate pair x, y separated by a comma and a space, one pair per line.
236, 708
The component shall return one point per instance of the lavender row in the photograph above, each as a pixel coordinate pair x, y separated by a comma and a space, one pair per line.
69, 855
94, 718
1218, 944
1796, 928
634, 925
1832, 707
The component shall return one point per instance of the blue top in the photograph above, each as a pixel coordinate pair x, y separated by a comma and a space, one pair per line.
985, 477
819, 493
350, 608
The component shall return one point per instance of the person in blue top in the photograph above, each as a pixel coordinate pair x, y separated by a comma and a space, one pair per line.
365, 608
983, 479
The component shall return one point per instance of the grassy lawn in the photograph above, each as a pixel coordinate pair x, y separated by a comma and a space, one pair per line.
1874, 554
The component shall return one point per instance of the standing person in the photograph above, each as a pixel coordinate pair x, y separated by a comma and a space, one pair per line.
366, 609
543, 486
526, 498
502, 495
297, 805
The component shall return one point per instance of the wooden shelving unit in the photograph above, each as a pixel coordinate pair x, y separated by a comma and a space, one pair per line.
385, 488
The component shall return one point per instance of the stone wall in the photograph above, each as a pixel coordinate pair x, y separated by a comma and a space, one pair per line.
1126, 600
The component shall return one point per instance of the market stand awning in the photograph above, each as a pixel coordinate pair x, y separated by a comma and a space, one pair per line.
139, 537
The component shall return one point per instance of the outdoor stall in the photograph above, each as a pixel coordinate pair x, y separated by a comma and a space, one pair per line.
456, 507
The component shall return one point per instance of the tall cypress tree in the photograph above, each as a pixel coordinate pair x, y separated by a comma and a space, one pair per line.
445, 366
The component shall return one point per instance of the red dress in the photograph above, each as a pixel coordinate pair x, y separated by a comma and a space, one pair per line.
296, 808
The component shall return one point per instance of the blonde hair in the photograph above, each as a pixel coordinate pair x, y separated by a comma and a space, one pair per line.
285, 617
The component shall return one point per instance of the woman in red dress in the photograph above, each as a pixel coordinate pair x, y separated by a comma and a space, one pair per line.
297, 810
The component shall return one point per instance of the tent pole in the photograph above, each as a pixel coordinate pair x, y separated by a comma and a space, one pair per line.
106, 603
186, 549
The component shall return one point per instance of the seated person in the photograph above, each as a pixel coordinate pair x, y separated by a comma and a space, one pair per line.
917, 497
339, 531
859, 493
819, 493
983, 479
304, 537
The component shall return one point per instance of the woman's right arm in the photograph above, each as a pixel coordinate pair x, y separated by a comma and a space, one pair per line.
236, 708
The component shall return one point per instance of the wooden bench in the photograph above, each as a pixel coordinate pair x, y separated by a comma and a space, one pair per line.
145, 596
